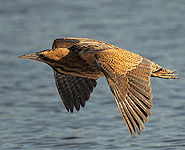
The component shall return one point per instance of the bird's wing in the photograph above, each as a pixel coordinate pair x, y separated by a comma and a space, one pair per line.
81, 45
74, 90
128, 76
64, 42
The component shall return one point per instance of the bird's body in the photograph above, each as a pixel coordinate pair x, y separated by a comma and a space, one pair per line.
79, 62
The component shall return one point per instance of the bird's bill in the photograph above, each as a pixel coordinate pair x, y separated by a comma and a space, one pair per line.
29, 56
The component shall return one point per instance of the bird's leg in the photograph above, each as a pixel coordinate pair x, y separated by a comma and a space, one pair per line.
160, 72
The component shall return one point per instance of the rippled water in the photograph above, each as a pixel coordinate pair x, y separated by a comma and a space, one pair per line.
31, 114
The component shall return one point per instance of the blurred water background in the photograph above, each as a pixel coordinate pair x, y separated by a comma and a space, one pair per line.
31, 113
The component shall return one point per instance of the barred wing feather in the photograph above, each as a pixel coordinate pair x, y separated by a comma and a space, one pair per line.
74, 90
128, 76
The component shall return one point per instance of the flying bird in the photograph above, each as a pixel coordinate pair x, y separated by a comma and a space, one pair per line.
77, 64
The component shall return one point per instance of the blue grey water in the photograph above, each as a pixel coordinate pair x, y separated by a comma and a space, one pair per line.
32, 115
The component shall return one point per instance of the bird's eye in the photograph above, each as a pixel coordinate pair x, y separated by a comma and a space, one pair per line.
42, 55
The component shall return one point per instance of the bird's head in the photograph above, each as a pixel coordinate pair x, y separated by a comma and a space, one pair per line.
48, 56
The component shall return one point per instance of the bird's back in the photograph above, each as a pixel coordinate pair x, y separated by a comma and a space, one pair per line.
80, 60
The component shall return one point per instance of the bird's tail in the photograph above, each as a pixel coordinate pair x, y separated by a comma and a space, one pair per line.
160, 72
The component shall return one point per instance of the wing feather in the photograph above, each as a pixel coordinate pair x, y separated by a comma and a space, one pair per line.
128, 76
82, 45
74, 90
116, 93
64, 42
63, 87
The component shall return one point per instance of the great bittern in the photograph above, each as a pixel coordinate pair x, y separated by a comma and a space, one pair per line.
79, 62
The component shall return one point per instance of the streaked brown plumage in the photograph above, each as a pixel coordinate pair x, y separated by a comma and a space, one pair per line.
79, 62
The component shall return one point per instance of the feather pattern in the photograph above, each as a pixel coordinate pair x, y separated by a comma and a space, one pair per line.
74, 90
131, 88
79, 62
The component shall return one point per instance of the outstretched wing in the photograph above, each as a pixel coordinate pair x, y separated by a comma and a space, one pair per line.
128, 76
74, 90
